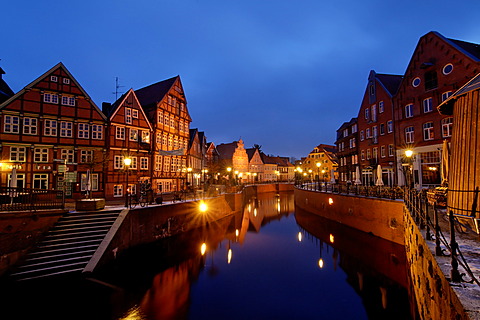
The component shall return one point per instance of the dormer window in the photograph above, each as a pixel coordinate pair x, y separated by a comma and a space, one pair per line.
66, 81
54, 78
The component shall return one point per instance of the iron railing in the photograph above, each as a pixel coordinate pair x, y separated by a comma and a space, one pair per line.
421, 211
26, 199
384, 192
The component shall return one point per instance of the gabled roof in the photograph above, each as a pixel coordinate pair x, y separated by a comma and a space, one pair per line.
120, 102
469, 48
51, 70
251, 152
154, 93
391, 82
226, 150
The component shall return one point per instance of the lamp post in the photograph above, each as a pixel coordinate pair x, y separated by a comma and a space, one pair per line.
229, 170
318, 164
127, 162
409, 164
189, 172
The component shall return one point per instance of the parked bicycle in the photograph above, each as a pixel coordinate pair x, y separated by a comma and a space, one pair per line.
138, 200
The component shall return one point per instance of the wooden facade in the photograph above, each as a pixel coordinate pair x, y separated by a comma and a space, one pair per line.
53, 134
464, 171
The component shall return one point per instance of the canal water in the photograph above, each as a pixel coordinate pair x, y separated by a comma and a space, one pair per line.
267, 262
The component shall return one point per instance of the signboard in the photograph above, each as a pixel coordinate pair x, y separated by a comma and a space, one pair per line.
71, 176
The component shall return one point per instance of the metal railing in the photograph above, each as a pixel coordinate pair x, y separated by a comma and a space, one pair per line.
421, 211
26, 199
384, 192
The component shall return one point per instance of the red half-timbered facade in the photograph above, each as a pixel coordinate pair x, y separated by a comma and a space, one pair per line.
53, 135
129, 137
165, 105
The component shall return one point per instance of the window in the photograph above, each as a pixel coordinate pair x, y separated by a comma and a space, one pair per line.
86, 156
447, 69
143, 163
428, 131
66, 129
92, 184
369, 155
390, 150
97, 131
367, 133
135, 113
66, 81
158, 163
345, 133
446, 95
83, 130
166, 164
354, 128
50, 98
128, 115
416, 82
53, 78
409, 110
382, 129
68, 101
427, 105
120, 133
50, 127
409, 134
170, 142
40, 181
118, 162
133, 135
166, 120
380, 107
18, 154
68, 154
363, 155
12, 124
30, 126
382, 152
367, 114
447, 126
134, 163
389, 126
165, 140
375, 153
431, 80
374, 113
361, 136
352, 143
118, 190
145, 137
40, 155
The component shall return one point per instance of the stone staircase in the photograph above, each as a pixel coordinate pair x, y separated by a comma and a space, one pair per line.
67, 247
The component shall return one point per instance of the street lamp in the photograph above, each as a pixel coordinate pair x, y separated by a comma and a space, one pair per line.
127, 162
189, 172
409, 164
318, 164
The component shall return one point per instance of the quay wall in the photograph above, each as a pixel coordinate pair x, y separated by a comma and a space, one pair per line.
434, 295
380, 217
19, 231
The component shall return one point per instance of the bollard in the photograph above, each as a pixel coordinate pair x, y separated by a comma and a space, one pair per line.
455, 275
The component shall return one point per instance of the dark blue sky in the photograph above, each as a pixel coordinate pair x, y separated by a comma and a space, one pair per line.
284, 74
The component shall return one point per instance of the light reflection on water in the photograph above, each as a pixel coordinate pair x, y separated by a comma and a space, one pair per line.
267, 262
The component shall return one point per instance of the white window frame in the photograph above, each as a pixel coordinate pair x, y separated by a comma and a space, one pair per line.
409, 110
143, 163
93, 182
18, 154
389, 126
97, 131
135, 113
86, 156
133, 135
118, 190
53, 78
68, 154
40, 181
427, 105
447, 127
128, 115
83, 130
428, 132
11, 124
391, 150
66, 81
381, 107
120, 133
118, 162
40, 155
50, 127
66, 129
409, 134
30, 125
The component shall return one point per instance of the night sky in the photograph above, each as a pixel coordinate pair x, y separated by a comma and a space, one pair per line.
283, 74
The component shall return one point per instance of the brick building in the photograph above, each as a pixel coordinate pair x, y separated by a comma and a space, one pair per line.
376, 145
347, 151
129, 137
438, 67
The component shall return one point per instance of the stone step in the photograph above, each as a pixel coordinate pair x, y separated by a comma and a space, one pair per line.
57, 254
66, 234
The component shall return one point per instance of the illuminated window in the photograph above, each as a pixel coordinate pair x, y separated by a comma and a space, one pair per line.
447, 127
40, 155
428, 131
18, 154
120, 133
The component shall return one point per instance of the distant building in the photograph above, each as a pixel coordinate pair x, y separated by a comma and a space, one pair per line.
234, 156
256, 167
197, 165
319, 163
270, 168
